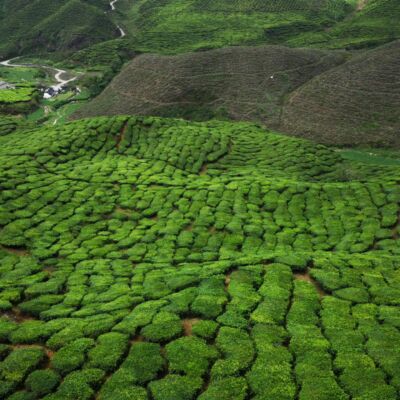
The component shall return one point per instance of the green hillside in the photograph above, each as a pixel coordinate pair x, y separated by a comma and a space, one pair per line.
374, 22
147, 258
28, 27
172, 26
200, 200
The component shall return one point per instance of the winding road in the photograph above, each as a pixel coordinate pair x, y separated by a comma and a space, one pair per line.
58, 73
113, 8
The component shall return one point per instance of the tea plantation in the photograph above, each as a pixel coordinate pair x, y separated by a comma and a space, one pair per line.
148, 258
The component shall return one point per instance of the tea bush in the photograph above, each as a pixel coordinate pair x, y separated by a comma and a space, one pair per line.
147, 257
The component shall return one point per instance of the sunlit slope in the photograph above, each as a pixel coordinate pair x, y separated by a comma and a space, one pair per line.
373, 22
173, 26
115, 156
146, 258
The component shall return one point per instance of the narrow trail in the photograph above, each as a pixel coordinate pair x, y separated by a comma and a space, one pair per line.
113, 8
58, 73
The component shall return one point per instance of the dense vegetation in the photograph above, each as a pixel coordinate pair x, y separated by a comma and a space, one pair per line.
173, 26
151, 258
147, 258
21, 99
28, 27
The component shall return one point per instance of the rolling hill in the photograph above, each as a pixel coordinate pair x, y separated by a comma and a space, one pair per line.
147, 258
330, 97
235, 83
30, 27
208, 256
175, 26
357, 102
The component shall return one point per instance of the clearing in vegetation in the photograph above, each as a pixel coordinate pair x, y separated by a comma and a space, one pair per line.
148, 258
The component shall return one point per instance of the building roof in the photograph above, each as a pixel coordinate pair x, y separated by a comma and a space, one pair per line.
6, 85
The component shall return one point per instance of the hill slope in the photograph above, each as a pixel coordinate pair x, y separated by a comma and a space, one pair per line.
28, 27
173, 26
237, 83
373, 22
358, 102
326, 96
144, 258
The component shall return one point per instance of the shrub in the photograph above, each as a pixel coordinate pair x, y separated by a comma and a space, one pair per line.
71, 356
205, 329
16, 366
78, 385
22, 395
165, 326
42, 382
190, 355
108, 352
30, 332
142, 364
225, 389
175, 387
238, 351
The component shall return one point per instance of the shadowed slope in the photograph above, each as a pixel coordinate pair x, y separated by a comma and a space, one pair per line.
238, 83
49, 25
358, 102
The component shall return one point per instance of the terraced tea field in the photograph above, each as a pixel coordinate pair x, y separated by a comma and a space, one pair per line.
148, 258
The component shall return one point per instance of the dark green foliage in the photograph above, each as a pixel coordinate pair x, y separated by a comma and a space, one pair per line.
108, 351
72, 356
42, 382
44, 25
175, 387
190, 355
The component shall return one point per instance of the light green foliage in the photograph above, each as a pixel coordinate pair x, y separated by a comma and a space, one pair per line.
153, 258
175, 387
22, 94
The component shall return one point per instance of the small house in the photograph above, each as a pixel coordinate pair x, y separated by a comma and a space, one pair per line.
6, 85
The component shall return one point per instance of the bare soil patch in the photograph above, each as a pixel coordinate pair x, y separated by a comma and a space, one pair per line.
308, 278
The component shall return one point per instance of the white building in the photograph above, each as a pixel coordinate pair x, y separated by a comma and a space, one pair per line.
6, 85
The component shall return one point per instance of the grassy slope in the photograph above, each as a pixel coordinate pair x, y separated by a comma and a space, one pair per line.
374, 22
44, 25
172, 26
196, 261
